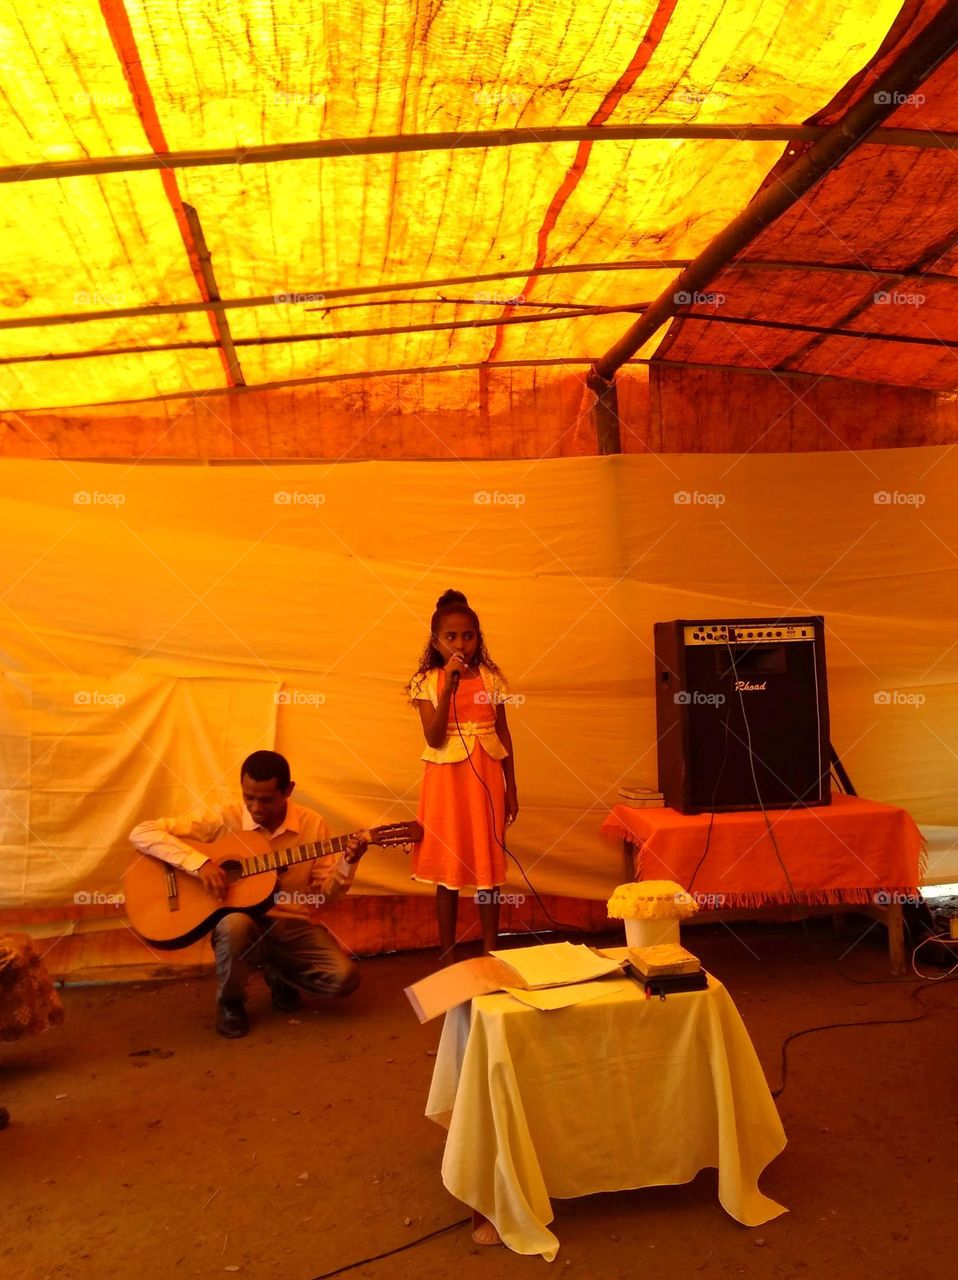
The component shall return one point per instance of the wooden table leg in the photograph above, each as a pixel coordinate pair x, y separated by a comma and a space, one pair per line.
896, 938
628, 848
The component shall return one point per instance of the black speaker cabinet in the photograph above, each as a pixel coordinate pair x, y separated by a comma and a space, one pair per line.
742, 713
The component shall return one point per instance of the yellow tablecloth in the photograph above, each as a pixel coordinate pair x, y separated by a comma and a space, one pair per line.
616, 1093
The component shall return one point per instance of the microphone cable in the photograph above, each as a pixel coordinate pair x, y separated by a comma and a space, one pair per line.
500, 841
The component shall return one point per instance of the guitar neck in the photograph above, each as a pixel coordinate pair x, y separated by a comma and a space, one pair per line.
279, 859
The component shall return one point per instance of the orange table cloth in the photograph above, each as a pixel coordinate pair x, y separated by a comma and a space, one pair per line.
853, 850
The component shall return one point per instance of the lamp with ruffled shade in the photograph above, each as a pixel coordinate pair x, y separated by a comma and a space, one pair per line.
651, 911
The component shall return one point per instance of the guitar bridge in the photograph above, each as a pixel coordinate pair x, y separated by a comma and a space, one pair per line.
172, 891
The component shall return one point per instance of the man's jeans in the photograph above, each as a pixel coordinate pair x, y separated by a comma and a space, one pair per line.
302, 954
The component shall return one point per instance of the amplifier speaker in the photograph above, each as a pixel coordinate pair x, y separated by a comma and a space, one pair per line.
742, 713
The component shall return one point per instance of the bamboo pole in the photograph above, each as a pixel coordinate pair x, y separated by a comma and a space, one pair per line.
825, 331
222, 328
467, 140
791, 326
372, 290
605, 413
287, 339
322, 294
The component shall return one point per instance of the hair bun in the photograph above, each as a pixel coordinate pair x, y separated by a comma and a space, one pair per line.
451, 597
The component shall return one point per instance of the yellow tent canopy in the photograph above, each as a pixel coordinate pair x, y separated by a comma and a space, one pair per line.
244, 229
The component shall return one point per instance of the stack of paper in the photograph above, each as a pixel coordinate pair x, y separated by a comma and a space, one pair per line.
553, 964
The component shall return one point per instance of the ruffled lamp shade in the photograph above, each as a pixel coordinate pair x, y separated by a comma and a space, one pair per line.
651, 910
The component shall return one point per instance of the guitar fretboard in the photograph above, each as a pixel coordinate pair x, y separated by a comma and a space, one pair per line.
278, 859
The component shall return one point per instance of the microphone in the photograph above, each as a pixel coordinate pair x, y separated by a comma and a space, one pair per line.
454, 678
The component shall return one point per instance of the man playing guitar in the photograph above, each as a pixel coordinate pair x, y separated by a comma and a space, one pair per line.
295, 952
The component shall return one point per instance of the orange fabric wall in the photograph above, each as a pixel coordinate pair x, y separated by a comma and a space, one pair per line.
497, 415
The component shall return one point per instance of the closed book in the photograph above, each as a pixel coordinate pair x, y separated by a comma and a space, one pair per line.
664, 960
672, 984
642, 797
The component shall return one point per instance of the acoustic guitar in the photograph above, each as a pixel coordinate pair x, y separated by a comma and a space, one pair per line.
169, 908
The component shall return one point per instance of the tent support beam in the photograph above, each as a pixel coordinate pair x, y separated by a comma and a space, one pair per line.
286, 339
605, 413
320, 295
477, 139
875, 335
373, 291
291, 339
909, 70
224, 337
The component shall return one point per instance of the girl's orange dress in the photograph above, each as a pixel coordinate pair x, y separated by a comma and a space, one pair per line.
463, 824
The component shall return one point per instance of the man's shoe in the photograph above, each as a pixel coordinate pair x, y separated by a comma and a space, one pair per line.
285, 997
231, 1019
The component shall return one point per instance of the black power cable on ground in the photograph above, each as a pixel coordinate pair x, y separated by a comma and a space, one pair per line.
869, 1022
377, 1257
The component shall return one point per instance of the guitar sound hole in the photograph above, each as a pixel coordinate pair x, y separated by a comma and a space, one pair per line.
232, 869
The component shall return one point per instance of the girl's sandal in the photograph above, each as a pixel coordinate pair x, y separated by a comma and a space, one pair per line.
483, 1232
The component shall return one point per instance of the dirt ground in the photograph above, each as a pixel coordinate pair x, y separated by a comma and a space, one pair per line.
303, 1148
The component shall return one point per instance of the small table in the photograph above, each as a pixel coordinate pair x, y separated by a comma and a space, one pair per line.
615, 1093
853, 853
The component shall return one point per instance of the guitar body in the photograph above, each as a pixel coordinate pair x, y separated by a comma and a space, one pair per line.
169, 908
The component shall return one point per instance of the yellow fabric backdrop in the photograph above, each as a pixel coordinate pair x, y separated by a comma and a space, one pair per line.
240, 607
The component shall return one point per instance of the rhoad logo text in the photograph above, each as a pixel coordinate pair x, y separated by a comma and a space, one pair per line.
743, 686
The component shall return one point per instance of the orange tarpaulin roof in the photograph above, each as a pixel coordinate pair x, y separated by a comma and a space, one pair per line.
477, 236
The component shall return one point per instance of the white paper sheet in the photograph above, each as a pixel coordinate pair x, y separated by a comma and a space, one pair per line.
563, 997
555, 964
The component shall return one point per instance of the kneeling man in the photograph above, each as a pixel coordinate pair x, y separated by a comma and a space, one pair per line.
294, 951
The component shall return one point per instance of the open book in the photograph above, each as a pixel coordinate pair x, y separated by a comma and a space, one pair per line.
552, 964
